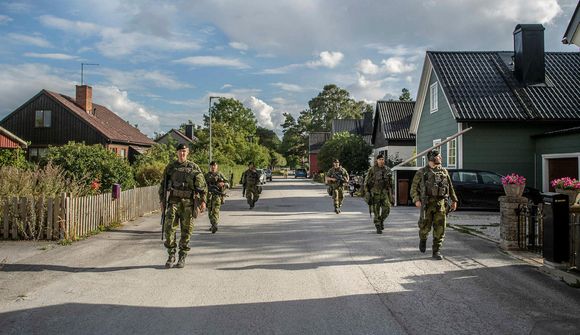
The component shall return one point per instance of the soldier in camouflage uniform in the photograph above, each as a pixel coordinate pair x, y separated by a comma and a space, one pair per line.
431, 190
251, 182
336, 177
378, 188
186, 186
216, 185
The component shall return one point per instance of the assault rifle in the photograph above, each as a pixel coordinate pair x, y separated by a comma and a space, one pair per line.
215, 190
166, 192
337, 175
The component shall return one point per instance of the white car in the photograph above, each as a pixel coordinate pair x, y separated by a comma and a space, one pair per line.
262, 174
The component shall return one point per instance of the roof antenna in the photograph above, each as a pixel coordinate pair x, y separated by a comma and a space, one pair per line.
83, 69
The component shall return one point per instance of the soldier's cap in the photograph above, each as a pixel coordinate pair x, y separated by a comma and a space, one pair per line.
432, 154
213, 163
380, 156
336, 161
181, 146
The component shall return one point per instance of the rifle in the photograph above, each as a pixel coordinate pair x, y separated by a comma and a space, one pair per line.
423, 196
339, 178
215, 190
243, 189
164, 205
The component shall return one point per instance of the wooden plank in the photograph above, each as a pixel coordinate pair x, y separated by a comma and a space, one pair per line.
5, 218
49, 221
14, 225
40, 218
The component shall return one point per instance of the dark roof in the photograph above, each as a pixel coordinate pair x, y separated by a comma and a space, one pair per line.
480, 86
316, 141
179, 134
572, 26
104, 121
395, 118
362, 127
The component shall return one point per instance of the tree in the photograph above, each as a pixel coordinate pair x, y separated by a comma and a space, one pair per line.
405, 95
294, 144
13, 157
352, 151
233, 113
268, 138
92, 163
148, 168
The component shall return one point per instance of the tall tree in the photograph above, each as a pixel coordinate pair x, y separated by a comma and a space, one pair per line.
352, 151
405, 95
268, 138
233, 113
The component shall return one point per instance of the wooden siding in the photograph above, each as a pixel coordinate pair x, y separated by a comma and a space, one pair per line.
438, 125
556, 144
504, 147
8, 143
65, 126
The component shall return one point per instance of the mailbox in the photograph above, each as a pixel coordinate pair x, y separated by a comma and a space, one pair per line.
556, 246
116, 191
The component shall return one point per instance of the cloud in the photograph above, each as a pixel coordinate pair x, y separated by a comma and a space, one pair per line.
55, 56
226, 86
266, 116
212, 61
327, 59
4, 19
139, 79
27, 39
239, 46
289, 87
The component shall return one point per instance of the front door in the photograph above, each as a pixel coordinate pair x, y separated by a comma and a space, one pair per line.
562, 167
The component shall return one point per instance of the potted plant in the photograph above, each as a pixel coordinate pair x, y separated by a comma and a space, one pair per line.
568, 186
513, 185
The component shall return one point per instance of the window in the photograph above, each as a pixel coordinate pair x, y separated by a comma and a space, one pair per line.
452, 153
42, 119
465, 177
35, 154
122, 153
434, 103
490, 178
423, 161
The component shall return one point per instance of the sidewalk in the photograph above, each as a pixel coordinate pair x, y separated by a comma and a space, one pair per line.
486, 226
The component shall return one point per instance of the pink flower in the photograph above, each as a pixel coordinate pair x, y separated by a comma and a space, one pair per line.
566, 183
513, 178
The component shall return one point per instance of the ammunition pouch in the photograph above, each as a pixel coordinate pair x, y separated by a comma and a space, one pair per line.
182, 194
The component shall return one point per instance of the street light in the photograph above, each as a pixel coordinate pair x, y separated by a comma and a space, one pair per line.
209, 113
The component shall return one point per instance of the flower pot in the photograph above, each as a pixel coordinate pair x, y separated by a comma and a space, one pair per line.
572, 195
513, 190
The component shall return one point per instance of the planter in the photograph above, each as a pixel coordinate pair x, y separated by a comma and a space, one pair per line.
514, 190
572, 195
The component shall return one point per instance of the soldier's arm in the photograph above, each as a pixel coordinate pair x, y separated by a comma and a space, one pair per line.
327, 178
163, 184
226, 183
415, 192
345, 174
452, 194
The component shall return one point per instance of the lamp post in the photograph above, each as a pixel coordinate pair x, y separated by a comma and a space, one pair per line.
209, 112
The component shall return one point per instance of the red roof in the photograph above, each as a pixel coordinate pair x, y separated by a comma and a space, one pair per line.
10, 141
104, 121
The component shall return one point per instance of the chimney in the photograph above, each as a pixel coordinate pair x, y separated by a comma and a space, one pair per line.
529, 63
189, 131
85, 98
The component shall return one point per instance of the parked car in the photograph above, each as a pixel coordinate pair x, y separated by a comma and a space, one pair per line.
481, 189
262, 176
268, 173
300, 173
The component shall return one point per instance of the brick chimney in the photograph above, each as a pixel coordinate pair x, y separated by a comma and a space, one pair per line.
84, 98
189, 131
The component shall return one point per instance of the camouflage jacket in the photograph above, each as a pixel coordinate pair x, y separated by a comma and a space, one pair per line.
421, 179
182, 180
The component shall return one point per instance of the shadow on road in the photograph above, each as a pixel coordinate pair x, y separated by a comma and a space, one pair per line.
62, 268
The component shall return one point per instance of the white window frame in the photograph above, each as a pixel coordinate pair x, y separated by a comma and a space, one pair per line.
433, 98
449, 165
424, 160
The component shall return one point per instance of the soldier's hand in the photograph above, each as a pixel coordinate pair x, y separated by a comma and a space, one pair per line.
453, 206
202, 207
221, 184
418, 204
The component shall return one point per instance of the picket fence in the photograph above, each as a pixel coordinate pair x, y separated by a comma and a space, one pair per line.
70, 218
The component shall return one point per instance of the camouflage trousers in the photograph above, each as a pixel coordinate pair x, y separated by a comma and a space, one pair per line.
178, 215
252, 194
433, 217
337, 196
214, 203
381, 207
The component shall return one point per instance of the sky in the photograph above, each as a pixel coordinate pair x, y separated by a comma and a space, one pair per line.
160, 61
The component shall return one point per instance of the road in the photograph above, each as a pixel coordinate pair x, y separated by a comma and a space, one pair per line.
289, 266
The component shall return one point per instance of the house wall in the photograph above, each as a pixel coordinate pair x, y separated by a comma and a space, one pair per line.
438, 125
65, 126
8, 143
313, 163
565, 145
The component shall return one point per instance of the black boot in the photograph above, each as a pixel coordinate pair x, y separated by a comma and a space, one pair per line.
180, 262
437, 255
170, 261
213, 228
422, 245
379, 230
382, 225
336, 210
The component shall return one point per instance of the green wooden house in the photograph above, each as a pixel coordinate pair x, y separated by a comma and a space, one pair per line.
523, 107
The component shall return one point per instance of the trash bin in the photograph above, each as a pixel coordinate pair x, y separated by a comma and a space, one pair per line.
403, 192
556, 247
116, 194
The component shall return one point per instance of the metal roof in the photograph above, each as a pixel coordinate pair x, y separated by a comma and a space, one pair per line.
480, 86
395, 118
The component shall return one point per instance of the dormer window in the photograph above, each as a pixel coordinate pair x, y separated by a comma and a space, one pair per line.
42, 119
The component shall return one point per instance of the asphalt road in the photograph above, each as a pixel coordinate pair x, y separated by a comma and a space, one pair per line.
289, 266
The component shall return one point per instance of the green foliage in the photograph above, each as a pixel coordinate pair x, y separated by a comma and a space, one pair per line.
405, 95
233, 113
277, 159
89, 163
352, 151
268, 138
13, 157
148, 168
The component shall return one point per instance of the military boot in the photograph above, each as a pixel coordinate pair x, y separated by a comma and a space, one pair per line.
379, 230
336, 210
213, 228
437, 255
383, 225
180, 262
422, 245
170, 261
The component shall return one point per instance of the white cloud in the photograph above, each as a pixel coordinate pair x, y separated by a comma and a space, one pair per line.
327, 59
523, 11
366, 66
397, 65
289, 87
139, 79
56, 56
239, 46
4, 19
27, 39
226, 86
266, 116
213, 61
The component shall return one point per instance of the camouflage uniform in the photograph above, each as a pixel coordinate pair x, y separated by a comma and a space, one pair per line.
336, 188
215, 196
432, 186
251, 181
185, 181
378, 185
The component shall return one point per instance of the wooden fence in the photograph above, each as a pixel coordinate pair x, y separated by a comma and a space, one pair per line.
71, 218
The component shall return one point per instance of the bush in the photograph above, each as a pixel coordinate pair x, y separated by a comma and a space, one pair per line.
90, 163
13, 157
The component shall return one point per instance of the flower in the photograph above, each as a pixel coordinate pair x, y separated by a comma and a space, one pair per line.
95, 185
566, 183
514, 179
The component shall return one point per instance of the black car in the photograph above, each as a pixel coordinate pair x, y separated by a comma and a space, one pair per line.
481, 189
